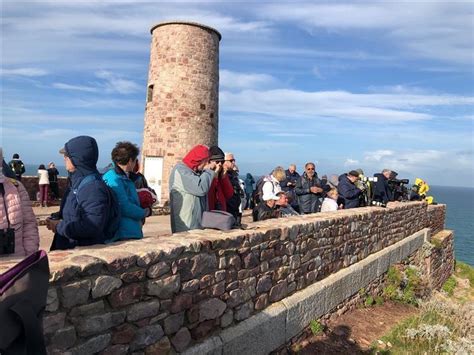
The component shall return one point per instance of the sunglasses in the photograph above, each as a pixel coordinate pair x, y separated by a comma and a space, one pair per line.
231, 160
309, 168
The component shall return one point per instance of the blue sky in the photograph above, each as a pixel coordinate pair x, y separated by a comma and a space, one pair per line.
344, 84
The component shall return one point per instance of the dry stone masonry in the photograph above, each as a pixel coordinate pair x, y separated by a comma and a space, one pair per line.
173, 292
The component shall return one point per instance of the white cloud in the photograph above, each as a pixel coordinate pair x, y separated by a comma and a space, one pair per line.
115, 83
111, 83
64, 86
28, 72
237, 80
351, 162
285, 103
435, 30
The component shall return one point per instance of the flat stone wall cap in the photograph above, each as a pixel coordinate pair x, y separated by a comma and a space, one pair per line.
189, 23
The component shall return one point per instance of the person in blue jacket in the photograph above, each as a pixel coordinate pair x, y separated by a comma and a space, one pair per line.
86, 208
347, 189
124, 158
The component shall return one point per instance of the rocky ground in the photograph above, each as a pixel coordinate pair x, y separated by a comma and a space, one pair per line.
361, 330
355, 331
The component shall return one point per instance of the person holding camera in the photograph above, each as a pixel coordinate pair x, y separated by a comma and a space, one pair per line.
19, 235
221, 188
382, 191
189, 184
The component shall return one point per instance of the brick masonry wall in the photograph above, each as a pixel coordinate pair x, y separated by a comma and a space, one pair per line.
436, 217
31, 185
435, 262
439, 264
170, 292
183, 112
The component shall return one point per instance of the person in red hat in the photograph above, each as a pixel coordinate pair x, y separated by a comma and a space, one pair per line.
189, 184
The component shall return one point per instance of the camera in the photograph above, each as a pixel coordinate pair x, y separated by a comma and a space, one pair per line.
369, 179
7, 241
399, 190
378, 204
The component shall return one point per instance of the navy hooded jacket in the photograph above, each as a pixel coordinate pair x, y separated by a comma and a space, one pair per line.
348, 191
86, 212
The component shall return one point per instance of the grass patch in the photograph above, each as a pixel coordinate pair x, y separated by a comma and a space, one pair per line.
449, 286
465, 271
316, 327
440, 327
403, 285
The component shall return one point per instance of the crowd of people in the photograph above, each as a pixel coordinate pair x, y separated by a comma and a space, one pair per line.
99, 208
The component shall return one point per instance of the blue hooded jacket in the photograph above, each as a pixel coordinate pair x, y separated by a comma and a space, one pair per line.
131, 212
86, 212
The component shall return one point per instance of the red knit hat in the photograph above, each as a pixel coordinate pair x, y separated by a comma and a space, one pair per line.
196, 156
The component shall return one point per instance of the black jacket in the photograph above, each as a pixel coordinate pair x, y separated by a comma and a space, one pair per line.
307, 201
382, 192
348, 192
233, 203
53, 175
265, 212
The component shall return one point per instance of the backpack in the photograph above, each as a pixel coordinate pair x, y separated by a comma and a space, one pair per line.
17, 167
258, 192
113, 222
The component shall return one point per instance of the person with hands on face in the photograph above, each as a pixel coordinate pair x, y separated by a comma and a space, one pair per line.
189, 184
221, 188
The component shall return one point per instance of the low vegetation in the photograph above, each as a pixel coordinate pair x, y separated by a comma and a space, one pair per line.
316, 327
444, 323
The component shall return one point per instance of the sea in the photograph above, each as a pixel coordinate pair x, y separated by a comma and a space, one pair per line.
459, 214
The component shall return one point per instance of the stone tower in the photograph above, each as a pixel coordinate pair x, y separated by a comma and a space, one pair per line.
182, 97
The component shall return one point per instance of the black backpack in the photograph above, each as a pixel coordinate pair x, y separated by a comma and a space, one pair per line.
115, 215
17, 166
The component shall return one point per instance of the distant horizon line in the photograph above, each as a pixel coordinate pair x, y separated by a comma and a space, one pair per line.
468, 187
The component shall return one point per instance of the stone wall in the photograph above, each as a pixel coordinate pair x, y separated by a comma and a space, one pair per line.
31, 185
439, 264
171, 292
436, 217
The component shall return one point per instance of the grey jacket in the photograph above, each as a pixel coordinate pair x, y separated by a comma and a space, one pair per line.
188, 197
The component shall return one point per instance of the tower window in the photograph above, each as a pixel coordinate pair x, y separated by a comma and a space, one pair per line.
149, 94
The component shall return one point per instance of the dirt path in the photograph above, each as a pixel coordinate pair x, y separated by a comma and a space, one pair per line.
353, 332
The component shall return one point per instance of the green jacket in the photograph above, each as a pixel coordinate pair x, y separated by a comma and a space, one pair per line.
188, 197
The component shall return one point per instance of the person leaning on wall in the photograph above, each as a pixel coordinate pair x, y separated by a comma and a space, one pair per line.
124, 158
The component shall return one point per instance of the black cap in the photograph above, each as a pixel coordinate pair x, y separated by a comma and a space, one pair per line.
354, 173
16, 156
216, 153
